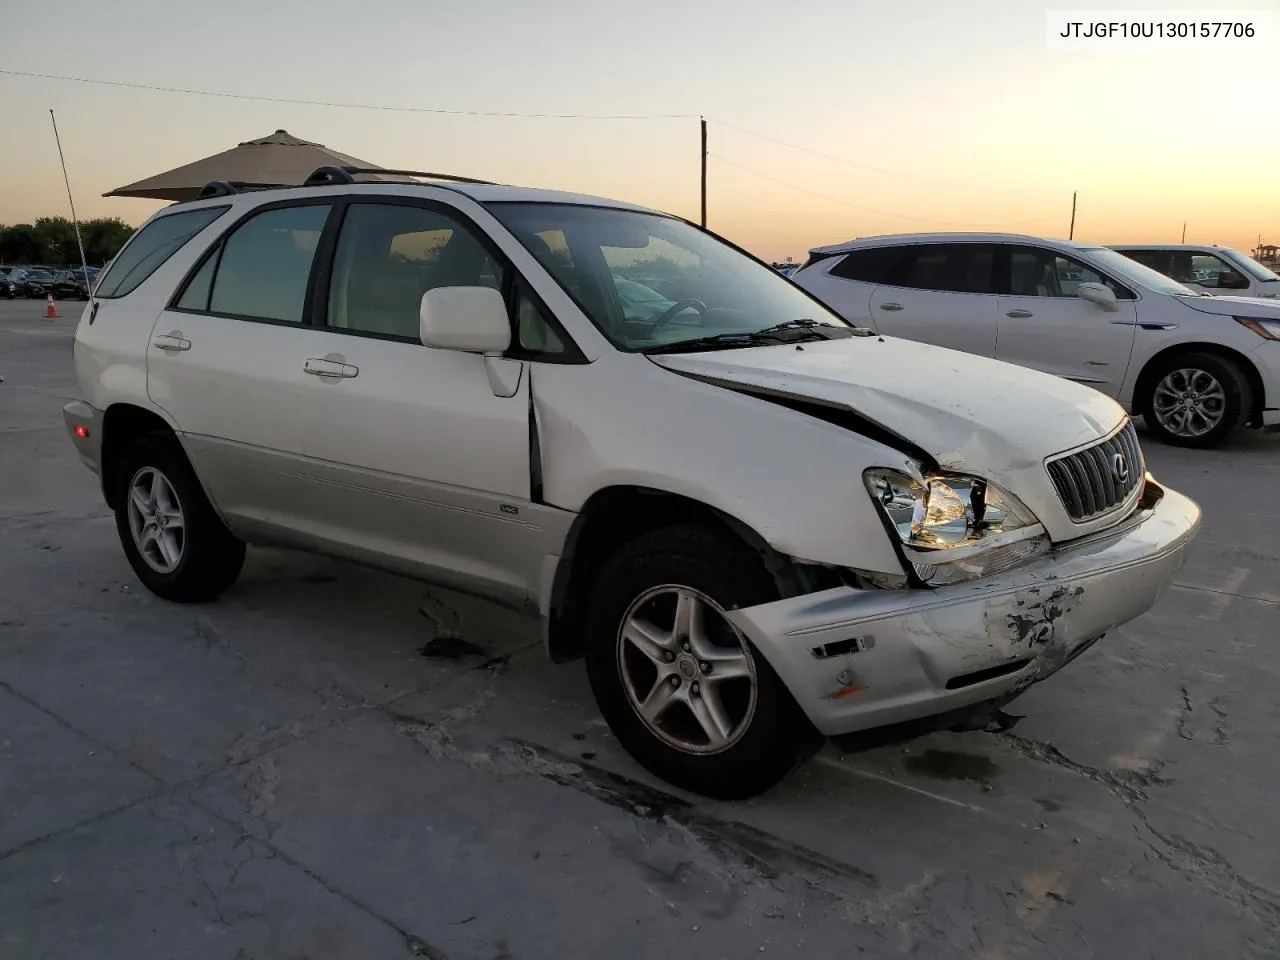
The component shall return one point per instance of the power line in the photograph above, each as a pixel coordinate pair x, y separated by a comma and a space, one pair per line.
857, 163
856, 206
347, 106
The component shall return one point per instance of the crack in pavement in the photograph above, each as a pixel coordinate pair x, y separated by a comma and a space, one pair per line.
1184, 714
1127, 785
1199, 863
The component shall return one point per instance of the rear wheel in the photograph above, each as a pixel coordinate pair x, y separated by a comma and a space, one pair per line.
679, 685
1196, 400
177, 545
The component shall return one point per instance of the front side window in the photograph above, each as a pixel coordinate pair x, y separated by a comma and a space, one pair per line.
389, 255
1034, 272
647, 280
946, 267
264, 266
150, 247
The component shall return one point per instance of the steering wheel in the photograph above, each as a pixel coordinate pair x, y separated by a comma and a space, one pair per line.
679, 307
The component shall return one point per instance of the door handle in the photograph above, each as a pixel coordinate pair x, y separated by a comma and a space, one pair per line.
329, 369
1019, 313
172, 342
891, 306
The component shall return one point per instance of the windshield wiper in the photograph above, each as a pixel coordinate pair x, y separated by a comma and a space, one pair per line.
720, 340
789, 331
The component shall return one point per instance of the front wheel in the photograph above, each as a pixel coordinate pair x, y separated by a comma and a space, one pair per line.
177, 545
1196, 400
679, 685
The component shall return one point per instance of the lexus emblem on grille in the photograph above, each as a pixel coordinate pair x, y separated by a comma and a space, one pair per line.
1120, 468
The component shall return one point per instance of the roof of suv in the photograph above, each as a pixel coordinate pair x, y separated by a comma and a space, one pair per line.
483, 193
894, 239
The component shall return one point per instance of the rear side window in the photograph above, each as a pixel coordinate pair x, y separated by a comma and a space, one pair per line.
868, 266
151, 247
946, 267
265, 265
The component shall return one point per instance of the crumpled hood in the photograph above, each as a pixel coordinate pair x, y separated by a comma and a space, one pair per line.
1259, 307
970, 413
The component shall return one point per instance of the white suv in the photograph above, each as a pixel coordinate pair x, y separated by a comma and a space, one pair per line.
757, 523
1207, 268
1195, 367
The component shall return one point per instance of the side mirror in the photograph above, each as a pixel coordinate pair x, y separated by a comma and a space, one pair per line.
1100, 295
466, 319
1232, 281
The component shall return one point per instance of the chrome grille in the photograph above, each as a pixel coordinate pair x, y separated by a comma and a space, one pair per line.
1091, 483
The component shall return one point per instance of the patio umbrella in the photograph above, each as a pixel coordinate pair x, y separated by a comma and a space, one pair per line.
279, 158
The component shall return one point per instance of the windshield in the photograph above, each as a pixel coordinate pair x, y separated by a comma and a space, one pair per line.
647, 280
1251, 266
1136, 273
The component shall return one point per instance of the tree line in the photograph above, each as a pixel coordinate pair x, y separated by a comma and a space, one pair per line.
52, 241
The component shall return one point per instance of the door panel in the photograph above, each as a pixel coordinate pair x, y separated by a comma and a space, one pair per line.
236, 395
420, 466
226, 364
424, 454
1045, 326
961, 321
940, 293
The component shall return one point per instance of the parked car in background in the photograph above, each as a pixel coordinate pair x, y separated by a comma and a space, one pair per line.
1207, 267
9, 288
756, 522
1195, 367
32, 281
68, 284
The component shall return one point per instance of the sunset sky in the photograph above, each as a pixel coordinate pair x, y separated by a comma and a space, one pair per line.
934, 115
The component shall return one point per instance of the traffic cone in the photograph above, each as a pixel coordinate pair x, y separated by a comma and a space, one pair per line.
51, 309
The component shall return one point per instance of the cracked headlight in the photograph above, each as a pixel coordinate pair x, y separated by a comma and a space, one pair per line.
956, 528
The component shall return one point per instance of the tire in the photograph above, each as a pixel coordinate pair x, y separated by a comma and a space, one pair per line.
769, 736
190, 562
1216, 389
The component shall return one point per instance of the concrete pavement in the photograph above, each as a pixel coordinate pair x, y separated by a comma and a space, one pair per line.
285, 774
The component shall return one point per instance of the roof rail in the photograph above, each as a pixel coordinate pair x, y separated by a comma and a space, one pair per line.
228, 188
336, 174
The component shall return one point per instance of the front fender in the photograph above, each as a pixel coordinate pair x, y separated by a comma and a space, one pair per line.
793, 479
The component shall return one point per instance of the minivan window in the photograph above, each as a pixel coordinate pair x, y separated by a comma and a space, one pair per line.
150, 247
871, 265
1036, 272
946, 267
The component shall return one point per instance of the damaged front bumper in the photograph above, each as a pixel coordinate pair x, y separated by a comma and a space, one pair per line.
859, 659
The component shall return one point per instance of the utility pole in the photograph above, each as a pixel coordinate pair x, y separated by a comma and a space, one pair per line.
703, 123
1184, 231
1071, 234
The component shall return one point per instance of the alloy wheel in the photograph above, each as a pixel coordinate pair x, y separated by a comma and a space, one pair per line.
687, 670
1189, 402
156, 520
